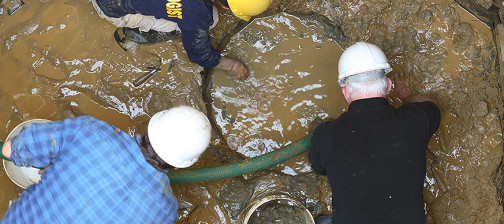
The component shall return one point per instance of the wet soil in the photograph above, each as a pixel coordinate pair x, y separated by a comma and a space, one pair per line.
308, 189
278, 211
288, 87
450, 55
58, 59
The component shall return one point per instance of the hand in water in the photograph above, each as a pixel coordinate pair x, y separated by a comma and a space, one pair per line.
401, 80
238, 71
402, 83
233, 68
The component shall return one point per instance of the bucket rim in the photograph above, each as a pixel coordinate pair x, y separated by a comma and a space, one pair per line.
251, 208
6, 163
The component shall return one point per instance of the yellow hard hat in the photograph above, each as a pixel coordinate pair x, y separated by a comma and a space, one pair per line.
245, 9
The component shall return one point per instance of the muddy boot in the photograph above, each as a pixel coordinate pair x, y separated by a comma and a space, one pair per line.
125, 40
11, 5
125, 37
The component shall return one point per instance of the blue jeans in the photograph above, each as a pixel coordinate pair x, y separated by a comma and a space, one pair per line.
323, 219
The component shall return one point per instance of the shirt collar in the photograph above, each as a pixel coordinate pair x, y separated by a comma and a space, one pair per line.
368, 103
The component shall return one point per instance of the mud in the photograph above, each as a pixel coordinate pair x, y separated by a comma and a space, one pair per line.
279, 211
58, 59
307, 189
287, 89
450, 55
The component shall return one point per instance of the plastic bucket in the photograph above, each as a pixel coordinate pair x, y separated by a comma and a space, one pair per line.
22, 176
303, 215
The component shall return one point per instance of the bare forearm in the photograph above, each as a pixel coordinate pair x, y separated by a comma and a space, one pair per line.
407, 95
6, 149
419, 98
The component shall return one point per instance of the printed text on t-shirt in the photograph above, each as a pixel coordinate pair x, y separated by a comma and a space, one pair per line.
174, 8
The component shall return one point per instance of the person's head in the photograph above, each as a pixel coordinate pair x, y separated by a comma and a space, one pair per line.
245, 9
362, 72
178, 136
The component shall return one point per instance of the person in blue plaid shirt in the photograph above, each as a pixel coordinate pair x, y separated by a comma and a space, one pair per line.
99, 174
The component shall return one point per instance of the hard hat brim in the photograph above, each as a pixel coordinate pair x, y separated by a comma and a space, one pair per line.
246, 18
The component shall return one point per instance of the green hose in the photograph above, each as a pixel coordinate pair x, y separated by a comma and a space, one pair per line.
1, 154
184, 176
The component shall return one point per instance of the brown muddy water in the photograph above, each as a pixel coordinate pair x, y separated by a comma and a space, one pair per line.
58, 59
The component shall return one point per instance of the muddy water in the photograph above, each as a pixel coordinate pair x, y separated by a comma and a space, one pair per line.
452, 56
58, 59
293, 80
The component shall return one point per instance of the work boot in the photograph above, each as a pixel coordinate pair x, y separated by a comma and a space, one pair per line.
126, 37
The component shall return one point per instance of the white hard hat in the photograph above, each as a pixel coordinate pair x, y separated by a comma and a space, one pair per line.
360, 58
179, 135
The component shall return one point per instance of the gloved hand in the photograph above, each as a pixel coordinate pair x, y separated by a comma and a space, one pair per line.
233, 68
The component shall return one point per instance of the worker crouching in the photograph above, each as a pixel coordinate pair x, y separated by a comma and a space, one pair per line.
100, 174
153, 21
374, 154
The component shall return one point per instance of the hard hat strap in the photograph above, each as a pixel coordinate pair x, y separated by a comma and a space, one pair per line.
366, 76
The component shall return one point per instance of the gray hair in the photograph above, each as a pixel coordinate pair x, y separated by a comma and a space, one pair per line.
375, 87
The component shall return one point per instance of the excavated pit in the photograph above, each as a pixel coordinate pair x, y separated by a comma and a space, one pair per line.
59, 59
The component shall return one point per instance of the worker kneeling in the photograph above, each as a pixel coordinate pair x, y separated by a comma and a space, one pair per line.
99, 174
153, 21
374, 154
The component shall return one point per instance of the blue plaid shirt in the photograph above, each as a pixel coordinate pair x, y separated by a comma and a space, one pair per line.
98, 175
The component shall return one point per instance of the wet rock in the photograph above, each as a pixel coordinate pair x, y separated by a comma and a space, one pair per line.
485, 3
492, 124
11, 5
278, 211
464, 35
235, 196
427, 16
481, 108
238, 192
476, 52
436, 38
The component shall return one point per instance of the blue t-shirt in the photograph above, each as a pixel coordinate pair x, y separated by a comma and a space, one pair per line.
97, 175
194, 17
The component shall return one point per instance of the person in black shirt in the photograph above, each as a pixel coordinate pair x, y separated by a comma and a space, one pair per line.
374, 154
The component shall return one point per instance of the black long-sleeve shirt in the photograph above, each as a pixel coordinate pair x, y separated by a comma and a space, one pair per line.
374, 157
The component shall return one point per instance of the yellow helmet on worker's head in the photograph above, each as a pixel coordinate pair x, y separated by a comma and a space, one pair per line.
245, 9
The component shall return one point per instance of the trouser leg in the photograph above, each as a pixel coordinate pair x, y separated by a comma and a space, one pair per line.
124, 34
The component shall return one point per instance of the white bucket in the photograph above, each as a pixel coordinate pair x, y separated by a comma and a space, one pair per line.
22, 176
252, 207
